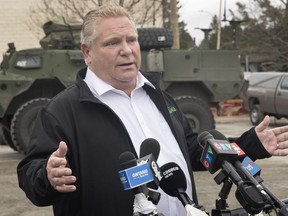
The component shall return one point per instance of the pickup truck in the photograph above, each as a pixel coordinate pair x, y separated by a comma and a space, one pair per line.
267, 94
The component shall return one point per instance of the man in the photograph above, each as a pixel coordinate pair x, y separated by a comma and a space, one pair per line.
73, 160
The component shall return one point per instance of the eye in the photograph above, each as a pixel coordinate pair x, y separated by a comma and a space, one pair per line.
132, 40
112, 43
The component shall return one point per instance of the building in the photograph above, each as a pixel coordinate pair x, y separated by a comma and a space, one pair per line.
14, 27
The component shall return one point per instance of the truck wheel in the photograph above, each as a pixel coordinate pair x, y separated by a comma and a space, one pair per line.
23, 122
256, 115
198, 112
155, 38
6, 138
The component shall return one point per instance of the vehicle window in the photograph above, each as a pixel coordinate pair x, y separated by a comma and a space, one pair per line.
270, 83
284, 84
28, 61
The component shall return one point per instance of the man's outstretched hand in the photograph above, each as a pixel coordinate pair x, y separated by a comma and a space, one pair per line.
59, 175
274, 140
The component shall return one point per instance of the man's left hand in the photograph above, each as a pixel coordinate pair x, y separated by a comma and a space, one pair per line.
274, 140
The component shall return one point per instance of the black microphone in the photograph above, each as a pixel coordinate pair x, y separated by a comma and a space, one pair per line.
249, 192
149, 153
174, 183
128, 160
215, 152
255, 170
150, 146
242, 171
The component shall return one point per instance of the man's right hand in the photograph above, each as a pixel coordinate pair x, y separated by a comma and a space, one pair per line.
60, 176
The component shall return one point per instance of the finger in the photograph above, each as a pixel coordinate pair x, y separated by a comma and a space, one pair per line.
66, 188
282, 138
54, 161
57, 158
64, 183
281, 152
263, 125
60, 171
282, 145
62, 150
281, 130
63, 180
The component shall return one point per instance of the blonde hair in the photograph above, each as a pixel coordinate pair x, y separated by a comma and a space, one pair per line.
89, 29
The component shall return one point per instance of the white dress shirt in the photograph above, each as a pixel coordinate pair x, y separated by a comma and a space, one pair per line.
143, 120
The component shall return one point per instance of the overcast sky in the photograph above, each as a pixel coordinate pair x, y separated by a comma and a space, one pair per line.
198, 14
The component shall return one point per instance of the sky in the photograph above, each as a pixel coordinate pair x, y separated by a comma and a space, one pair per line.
199, 13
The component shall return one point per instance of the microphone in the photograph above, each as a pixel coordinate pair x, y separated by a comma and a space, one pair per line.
249, 193
174, 184
255, 171
133, 176
150, 146
215, 152
149, 153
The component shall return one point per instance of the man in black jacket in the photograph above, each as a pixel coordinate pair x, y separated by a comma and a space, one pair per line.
73, 159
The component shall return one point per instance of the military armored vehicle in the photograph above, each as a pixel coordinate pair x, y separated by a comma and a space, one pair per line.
197, 79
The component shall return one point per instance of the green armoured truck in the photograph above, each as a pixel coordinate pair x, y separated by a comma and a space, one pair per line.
197, 79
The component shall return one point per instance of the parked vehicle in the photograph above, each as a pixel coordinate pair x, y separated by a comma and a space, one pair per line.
267, 94
197, 79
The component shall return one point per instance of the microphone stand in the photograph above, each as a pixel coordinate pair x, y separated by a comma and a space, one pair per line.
221, 202
282, 205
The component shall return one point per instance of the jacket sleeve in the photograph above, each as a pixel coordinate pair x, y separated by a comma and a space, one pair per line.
195, 150
251, 145
31, 171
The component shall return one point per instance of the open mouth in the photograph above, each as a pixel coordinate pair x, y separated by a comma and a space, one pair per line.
126, 64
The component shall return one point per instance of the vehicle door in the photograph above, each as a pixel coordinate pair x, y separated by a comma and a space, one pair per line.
281, 97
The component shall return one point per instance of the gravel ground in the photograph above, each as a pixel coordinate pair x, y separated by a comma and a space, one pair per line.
274, 172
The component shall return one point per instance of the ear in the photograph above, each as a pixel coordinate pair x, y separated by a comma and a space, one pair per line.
86, 53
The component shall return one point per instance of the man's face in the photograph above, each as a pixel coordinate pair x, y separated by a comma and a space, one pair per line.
115, 56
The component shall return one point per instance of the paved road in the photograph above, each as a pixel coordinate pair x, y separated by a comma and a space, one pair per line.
274, 172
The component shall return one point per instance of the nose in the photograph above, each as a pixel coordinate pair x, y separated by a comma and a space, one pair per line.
125, 49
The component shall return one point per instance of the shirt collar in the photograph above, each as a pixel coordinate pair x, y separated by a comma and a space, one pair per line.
100, 87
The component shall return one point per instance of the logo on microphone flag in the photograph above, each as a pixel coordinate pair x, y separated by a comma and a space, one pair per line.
251, 166
136, 176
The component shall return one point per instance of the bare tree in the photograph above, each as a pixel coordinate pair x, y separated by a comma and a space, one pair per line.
42, 11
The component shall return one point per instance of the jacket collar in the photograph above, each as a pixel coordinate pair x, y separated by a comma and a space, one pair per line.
86, 94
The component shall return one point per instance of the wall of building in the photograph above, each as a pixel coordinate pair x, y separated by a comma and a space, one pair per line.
14, 17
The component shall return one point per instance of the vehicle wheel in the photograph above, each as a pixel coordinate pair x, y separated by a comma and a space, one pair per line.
256, 115
23, 122
155, 38
6, 138
198, 112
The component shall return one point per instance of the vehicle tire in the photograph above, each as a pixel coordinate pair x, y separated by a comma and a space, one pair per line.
198, 112
256, 115
6, 138
155, 38
23, 122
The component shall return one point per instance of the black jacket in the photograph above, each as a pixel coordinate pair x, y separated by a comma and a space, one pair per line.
96, 137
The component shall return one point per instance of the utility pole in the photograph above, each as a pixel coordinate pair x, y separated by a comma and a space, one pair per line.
219, 26
174, 24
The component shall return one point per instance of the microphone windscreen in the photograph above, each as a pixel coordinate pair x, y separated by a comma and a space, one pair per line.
217, 135
127, 160
150, 146
203, 137
173, 179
